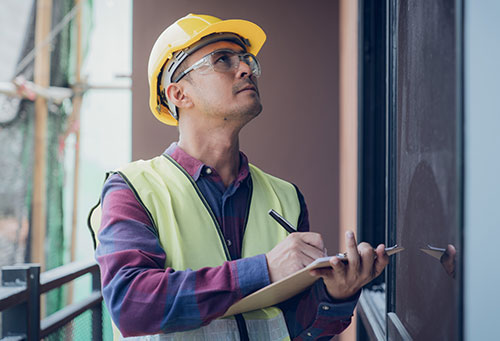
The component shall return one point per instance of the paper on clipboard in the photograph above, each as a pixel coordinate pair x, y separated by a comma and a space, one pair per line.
285, 288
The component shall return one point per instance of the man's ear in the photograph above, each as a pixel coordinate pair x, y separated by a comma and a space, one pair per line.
177, 96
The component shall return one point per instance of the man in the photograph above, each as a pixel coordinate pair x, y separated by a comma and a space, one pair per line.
186, 235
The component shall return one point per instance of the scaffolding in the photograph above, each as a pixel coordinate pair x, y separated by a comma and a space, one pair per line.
39, 110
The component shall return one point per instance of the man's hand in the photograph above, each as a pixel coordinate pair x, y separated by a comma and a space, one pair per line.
293, 253
344, 280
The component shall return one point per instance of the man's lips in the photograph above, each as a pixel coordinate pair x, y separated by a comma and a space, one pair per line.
247, 87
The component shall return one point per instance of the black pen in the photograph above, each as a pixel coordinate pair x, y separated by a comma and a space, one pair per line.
282, 221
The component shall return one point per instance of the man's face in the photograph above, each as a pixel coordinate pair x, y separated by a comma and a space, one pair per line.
231, 95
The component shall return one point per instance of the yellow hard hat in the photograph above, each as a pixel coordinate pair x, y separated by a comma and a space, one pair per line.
182, 36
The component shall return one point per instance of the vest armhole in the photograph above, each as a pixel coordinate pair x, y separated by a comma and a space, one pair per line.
139, 200
89, 216
89, 223
299, 195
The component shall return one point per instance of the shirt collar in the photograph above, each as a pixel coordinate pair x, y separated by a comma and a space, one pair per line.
194, 167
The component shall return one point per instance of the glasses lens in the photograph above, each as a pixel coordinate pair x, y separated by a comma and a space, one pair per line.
224, 61
253, 63
227, 61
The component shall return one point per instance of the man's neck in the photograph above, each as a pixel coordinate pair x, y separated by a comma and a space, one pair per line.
217, 149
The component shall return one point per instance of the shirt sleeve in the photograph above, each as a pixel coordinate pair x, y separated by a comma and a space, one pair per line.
141, 295
313, 314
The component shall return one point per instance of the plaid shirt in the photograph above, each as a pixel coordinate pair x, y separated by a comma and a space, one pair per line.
145, 298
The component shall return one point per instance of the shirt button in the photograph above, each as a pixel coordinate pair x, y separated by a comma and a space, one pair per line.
229, 242
208, 171
325, 307
309, 334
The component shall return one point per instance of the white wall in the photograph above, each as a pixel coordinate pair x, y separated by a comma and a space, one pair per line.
105, 140
14, 16
482, 170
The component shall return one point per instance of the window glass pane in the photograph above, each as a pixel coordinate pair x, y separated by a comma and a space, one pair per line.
427, 194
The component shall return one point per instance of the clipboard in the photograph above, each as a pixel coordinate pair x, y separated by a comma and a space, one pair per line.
285, 288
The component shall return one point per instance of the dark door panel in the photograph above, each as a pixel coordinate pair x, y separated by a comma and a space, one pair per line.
425, 290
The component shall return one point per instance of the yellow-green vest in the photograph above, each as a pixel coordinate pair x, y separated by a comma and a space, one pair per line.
190, 234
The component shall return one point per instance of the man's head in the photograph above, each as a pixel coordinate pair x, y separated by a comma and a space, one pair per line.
190, 47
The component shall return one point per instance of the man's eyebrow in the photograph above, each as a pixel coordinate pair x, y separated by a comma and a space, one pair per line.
229, 49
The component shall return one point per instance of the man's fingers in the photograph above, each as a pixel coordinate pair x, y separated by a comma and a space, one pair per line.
310, 253
338, 267
312, 238
363, 264
367, 255
322, 272
381, 261
352, 250
309, 246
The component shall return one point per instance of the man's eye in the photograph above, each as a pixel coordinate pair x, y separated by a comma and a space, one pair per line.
222, 59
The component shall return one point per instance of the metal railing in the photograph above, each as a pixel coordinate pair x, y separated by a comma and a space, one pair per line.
20, 293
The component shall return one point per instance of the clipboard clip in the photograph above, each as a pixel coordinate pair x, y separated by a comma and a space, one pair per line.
389, 250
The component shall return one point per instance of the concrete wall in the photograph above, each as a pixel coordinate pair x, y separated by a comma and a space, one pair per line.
482, 166
296, 136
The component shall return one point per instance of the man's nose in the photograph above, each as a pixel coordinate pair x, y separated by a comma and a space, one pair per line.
244, 70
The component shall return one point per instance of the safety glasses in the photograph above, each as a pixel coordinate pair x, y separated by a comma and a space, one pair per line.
224, 60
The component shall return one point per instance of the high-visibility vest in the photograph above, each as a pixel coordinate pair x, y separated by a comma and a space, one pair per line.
189, 230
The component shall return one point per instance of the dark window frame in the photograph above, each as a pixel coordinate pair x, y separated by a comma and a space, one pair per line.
372, 156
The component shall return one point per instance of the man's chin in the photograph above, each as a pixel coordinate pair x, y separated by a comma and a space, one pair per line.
247, 112
255, 109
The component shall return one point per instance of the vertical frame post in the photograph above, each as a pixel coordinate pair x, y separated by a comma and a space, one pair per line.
97, 310
391, 124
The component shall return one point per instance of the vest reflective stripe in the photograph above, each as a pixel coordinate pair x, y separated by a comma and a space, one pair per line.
173, 200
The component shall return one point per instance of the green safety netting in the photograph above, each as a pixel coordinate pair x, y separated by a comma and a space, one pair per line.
17, 149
